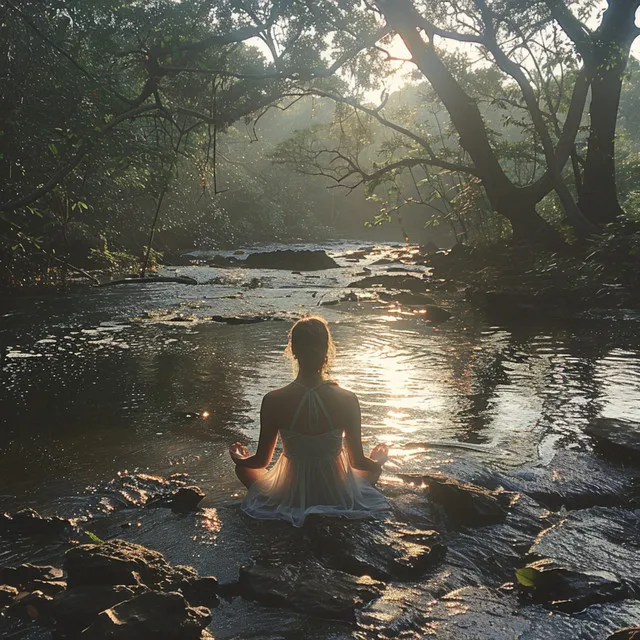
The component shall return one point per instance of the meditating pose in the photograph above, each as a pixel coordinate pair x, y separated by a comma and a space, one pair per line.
311, 414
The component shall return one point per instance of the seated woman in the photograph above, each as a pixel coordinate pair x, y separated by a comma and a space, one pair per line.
311, 414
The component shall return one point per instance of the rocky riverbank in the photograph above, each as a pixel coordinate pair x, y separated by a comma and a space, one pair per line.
469, 553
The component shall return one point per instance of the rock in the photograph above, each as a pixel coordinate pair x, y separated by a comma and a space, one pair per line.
30, 522
7, 594
391, 282
308, 587
576, 481
243, 319
429, 247
150, 616
183, 500
291, 260
479, 613
24, 575
384, 551
630, 633
329, 303
117, 562
596, 540
33, 606
619, 440
436, 314
75, 609
407, 298
570, 591
49, 588
201, 591
223, 261
465, 503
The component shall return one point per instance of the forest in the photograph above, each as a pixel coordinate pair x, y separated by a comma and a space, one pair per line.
132, 130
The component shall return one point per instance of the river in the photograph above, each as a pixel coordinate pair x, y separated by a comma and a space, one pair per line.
101, 382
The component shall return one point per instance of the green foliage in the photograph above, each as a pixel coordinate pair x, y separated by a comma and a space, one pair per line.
527, 576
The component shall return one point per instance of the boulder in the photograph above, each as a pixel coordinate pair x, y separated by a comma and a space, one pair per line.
201, 591
577, 481
411, 283
150, 616
384, 551
465, 503
596, 540
309, 587
291, 260
619, 440
570, 591
117, 562
75, 609
33, 606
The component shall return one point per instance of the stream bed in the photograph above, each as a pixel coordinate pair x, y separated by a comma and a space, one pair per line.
102, 384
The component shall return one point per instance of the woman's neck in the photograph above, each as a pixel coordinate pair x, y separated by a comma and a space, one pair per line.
310, 378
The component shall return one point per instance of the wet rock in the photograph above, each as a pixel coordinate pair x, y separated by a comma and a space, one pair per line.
183, 500
309, 587
570, 591
24, 575
30, 522
291, 260
223, 261
33, 606
577, 480
436, 314
619, 440
465, 503
7, 594
49, 588
201, 591
384, 551
329, 303
153, 616
234, 320
410, 283
429, 247
75, 609
596, 540
117, 562
630, 633
407, 298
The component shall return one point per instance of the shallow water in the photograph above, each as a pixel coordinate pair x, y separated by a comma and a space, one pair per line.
98, 382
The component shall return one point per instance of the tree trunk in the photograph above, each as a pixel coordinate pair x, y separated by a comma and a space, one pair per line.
606, 64
505, 197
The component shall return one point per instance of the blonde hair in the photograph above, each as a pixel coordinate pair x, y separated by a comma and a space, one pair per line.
311, 345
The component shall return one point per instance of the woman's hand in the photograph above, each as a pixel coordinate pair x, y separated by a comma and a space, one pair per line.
238, 451
380, 454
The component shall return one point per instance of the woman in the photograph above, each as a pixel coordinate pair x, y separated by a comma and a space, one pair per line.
313, 474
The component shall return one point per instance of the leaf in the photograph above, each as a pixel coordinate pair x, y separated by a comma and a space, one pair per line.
94, 538
527, 576
53, 149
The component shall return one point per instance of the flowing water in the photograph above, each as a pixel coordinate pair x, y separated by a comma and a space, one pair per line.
98, 382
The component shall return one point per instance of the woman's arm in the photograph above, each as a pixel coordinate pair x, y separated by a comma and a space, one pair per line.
353, 436
267, 440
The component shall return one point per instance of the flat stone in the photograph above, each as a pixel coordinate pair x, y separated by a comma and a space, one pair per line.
292, 260
465, 503
183, 499
24, 575
309, 587
593, 541
150, 616
75, 609
619, 440
577, 481
570, 591
383, 550
30, 522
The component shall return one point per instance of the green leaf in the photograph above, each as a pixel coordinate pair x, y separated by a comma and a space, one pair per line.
53, 149
94, 538
527, 576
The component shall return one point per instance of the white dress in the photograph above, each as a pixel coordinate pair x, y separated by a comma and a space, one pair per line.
312, 475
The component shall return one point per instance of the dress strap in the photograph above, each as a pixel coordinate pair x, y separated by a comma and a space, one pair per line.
316, 405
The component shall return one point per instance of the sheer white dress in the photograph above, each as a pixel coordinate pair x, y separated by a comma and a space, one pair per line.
312, 475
